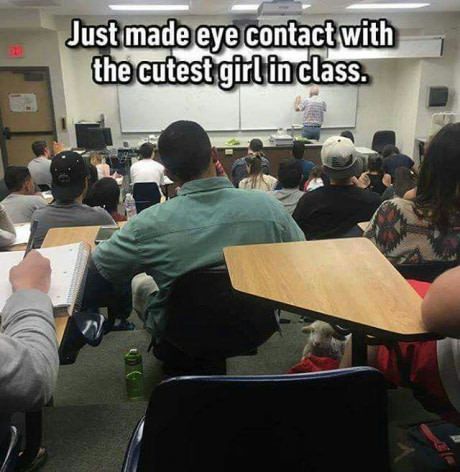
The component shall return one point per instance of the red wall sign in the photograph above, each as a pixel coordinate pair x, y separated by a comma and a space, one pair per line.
15, 51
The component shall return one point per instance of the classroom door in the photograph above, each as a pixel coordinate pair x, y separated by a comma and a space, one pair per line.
26, 113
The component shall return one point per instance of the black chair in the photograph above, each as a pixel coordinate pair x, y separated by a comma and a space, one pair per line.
381, 139
348, 134
421, 150
425, 272
208, 322
321, 422
145, 195
9, 455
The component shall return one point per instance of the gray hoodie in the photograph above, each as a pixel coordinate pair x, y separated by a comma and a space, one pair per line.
28, 355
288, 197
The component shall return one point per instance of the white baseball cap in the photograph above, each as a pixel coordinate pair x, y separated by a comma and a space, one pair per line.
340, 159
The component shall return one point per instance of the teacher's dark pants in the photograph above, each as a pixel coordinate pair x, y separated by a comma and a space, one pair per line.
311, 132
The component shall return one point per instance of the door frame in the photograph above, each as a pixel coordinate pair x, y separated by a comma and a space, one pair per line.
46, 71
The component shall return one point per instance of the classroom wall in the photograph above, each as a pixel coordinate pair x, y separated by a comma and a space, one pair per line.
405, 94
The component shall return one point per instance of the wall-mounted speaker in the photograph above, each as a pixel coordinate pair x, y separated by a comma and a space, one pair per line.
438, 96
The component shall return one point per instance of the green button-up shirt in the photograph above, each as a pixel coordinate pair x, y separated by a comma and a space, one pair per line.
190, 232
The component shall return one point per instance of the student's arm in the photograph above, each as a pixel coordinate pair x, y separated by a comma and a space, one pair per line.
28, 347
292, 232
7, 231
118, 259
441, 305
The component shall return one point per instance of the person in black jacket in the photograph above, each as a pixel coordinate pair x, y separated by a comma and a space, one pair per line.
334, 210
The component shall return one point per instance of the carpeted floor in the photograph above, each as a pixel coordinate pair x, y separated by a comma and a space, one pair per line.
90, 424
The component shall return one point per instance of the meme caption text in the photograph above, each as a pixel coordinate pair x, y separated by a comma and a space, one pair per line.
245, 66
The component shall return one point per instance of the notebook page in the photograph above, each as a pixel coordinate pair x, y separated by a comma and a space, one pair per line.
22, 233
68, 265
67, 262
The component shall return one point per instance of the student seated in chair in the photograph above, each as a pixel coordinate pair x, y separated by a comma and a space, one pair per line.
430, 368
191, 230
298, 150
256, 179
428, 228
105, 193
69, 187
289, 177
333, 210
39, 167
23, 200
240, 166
28, 346
392, 159
146, 169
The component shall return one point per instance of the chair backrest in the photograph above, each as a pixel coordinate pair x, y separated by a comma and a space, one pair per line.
381, 139
145, 195
208, 319
9, 455
425, 272
323, 421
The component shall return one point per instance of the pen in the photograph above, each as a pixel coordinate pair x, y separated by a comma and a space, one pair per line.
30, 243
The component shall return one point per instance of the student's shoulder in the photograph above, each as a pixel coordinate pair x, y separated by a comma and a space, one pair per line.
99, 213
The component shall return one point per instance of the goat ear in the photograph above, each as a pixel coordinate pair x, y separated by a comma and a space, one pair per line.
307, 329
339, 337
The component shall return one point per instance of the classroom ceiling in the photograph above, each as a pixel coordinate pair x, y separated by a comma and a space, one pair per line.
209, 7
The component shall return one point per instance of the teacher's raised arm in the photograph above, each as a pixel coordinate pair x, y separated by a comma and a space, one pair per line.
313, 109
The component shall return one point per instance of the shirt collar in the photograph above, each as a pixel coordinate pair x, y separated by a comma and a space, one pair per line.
205, 185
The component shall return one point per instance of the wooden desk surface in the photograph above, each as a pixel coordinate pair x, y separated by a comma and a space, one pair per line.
347, 281
363, 225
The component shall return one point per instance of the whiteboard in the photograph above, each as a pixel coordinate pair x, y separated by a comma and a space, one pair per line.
272, 106
148, 108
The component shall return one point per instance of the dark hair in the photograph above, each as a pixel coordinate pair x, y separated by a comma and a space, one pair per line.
298, 149
316, 172
404, 180
348, 134
375, 164
256, 145
185, 149
146, 151
16, 177
255, 165
39, 148
438, 190
388, 150
289, 173
104, 193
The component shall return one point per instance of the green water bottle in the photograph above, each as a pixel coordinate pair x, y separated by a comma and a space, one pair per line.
134, 373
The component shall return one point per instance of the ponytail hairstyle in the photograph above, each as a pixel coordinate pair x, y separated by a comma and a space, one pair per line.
254, 164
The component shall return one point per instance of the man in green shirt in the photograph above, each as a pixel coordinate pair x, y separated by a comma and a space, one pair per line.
190, 231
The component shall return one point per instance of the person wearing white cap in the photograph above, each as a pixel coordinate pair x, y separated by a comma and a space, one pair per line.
334, 210
313, 109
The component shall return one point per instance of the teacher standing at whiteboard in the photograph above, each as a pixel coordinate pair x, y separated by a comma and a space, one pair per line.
313, 109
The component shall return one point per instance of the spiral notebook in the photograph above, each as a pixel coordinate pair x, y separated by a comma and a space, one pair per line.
68, 270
